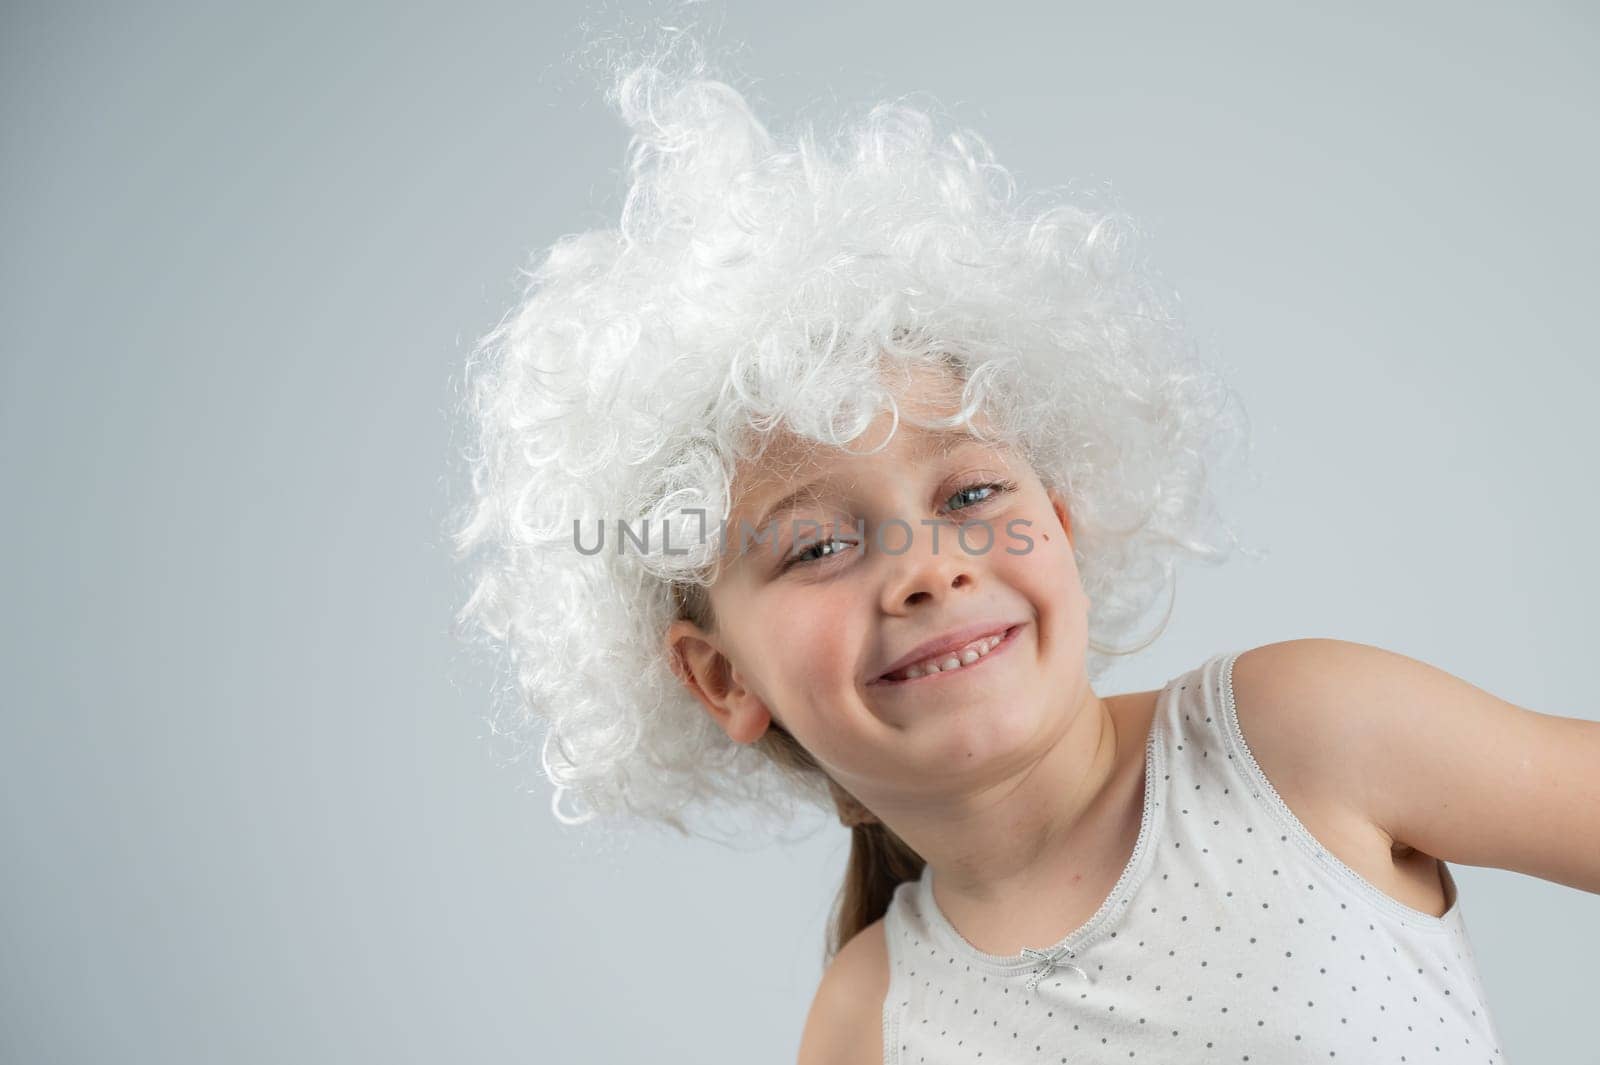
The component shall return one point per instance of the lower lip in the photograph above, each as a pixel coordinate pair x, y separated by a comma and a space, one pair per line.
1000, 648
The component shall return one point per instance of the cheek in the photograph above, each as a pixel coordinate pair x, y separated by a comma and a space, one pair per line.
821, 657
813, 660
809, 648
1048, 575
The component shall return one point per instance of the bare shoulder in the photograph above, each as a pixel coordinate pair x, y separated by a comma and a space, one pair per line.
1299, 706
845, 1025
1286, 698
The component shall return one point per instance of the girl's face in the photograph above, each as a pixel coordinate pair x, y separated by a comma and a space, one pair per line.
812, 614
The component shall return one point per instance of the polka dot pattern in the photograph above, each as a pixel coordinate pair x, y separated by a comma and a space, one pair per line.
1231, 935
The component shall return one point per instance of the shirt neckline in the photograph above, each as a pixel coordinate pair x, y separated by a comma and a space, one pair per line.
1121, 892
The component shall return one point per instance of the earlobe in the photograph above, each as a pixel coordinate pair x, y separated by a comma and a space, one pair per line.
711, 678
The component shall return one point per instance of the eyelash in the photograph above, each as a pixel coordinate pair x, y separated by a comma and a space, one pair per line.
805, 558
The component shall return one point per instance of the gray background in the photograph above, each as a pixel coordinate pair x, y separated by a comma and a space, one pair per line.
251, 812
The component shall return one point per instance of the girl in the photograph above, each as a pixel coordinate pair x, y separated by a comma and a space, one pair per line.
835, 477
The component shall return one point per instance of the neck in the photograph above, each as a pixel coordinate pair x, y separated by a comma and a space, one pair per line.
1051, 819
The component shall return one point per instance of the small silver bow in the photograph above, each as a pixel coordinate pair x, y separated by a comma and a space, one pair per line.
1049, 962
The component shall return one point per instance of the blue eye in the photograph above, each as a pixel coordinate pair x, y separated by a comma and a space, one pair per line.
997, 486
809, 554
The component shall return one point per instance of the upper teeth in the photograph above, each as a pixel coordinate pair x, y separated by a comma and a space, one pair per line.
950, 660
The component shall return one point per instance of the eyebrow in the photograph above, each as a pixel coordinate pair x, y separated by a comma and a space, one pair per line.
809, 493
942, 440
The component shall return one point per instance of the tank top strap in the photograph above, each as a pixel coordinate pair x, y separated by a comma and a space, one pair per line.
1216, 786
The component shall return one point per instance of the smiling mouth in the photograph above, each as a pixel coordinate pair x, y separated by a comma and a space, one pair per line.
1007, 638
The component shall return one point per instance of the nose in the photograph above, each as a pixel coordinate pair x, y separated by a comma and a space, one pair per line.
932, 567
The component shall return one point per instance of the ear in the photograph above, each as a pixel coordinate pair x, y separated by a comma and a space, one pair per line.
700, 664
1058, 503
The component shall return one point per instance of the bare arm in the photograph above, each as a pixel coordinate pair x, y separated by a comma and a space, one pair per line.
1440, 765
845, 1025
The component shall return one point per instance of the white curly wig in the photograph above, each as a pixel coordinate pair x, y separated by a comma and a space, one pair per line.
757, 283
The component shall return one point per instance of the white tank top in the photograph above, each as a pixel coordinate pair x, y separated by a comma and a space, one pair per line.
1232, 935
